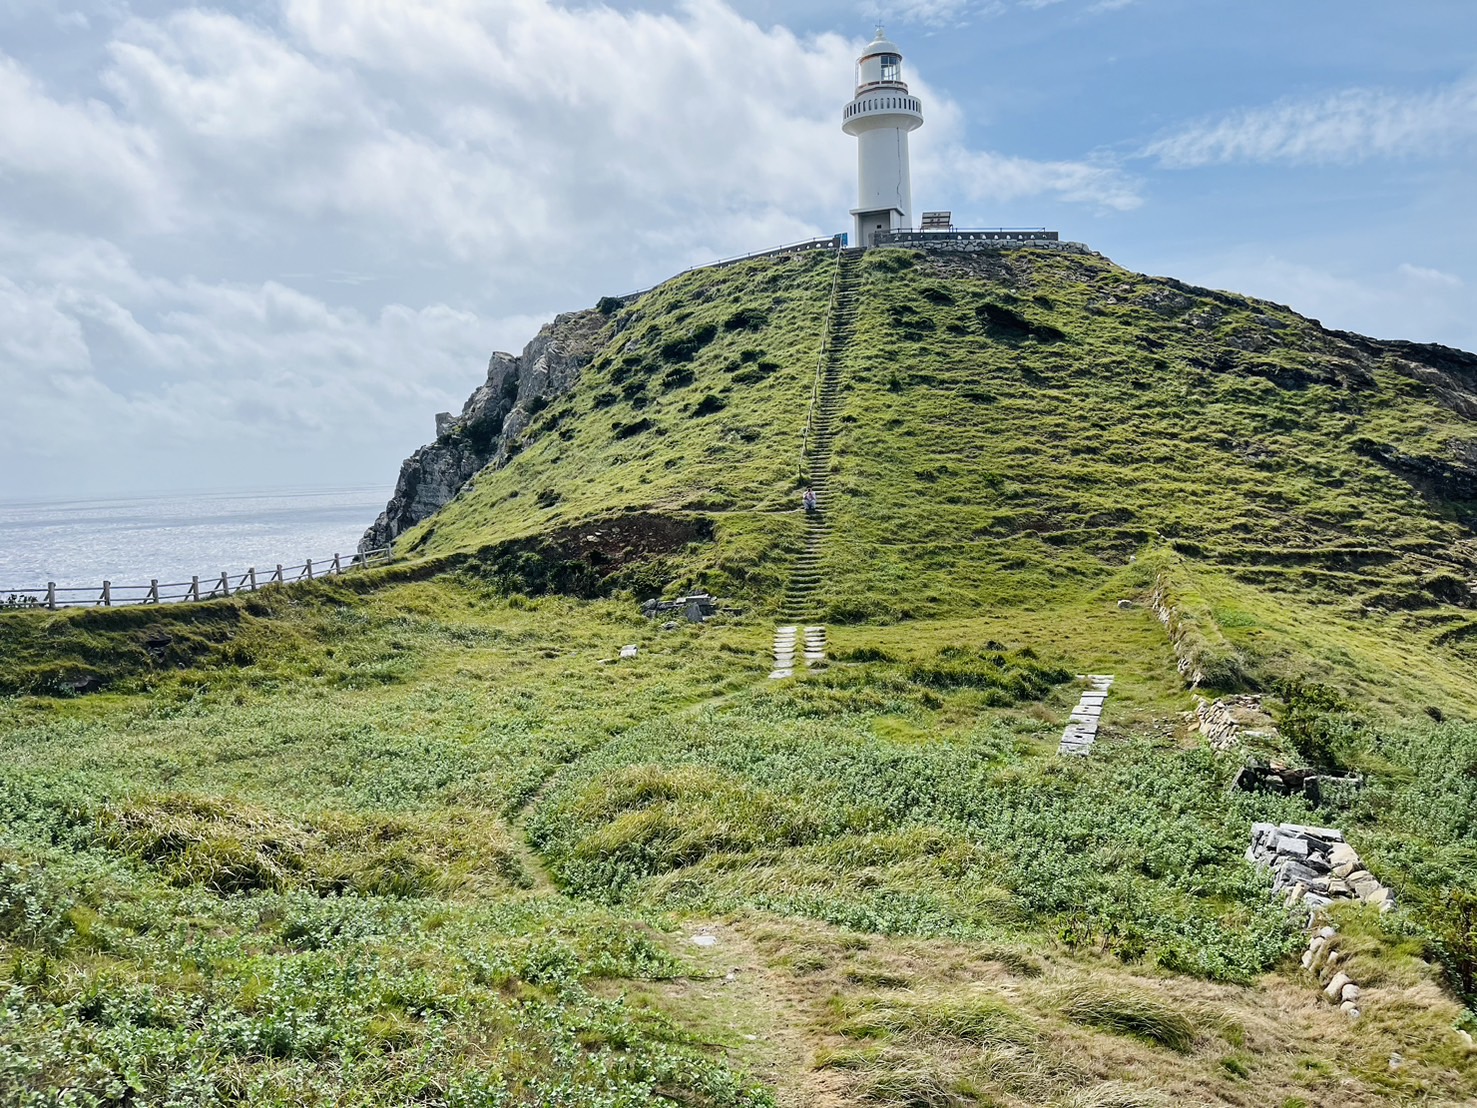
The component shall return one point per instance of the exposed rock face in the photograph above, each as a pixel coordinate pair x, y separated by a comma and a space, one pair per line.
491, 427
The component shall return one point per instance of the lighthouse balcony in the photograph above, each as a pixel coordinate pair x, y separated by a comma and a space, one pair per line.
871, 105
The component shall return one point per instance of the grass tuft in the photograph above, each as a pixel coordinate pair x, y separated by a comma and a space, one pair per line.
1127, 1011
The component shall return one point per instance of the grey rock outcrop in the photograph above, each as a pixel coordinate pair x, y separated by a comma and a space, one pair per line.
492, 425
1314, 866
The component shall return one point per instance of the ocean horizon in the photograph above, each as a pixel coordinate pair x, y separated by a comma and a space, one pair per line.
171, 537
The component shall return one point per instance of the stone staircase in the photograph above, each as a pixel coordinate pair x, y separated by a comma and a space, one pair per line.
787, 647
801, 601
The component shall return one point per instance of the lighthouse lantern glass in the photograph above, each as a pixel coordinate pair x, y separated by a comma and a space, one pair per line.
892, 67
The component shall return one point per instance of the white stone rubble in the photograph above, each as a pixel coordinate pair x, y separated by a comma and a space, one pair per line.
1223, 722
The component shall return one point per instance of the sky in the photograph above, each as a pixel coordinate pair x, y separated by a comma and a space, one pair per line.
260, 244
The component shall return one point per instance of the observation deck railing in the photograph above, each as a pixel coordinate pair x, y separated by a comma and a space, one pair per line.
956, 234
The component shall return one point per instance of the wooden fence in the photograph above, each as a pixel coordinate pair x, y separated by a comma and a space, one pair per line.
194, 590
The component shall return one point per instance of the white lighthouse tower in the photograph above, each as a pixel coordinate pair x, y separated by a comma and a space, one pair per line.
881, 116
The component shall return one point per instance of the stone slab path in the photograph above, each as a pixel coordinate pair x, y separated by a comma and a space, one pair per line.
788, 646
784, 652
815, 646
1082, 724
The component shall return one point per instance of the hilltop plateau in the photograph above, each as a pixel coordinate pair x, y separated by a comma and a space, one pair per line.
428, 835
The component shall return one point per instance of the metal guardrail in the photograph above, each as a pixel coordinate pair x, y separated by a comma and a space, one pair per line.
192, 591
802, 247
956, 234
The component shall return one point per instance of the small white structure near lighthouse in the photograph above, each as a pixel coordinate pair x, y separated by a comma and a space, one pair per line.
881, 116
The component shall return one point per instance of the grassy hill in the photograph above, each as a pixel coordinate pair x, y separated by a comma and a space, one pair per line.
421, 836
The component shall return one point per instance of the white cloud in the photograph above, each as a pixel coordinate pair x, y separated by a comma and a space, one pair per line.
1096, 7
295, 237
937, 13
1346, 127
1424, 275
995, 178
94, 352
79, 151
954, 13
215, 77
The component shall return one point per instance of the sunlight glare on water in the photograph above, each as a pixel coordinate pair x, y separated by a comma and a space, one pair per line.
172, 538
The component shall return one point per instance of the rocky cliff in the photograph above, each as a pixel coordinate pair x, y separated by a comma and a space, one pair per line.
492, 424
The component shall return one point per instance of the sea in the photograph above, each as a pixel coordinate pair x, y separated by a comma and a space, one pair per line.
130, 541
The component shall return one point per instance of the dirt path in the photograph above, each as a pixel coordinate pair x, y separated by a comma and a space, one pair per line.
738, 1002
733, 1000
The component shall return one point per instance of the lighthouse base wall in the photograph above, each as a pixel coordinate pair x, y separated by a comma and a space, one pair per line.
882, 174
868, 225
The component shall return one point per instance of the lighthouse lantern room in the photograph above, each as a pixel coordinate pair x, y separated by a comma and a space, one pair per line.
881, 115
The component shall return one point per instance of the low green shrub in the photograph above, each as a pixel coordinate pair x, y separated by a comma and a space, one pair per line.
1319, 725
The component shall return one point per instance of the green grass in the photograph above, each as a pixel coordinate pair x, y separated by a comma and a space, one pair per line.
422, 836
980, 465
695, 404
254, 824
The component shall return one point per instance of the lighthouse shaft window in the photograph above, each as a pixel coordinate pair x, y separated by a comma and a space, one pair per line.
892, 67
